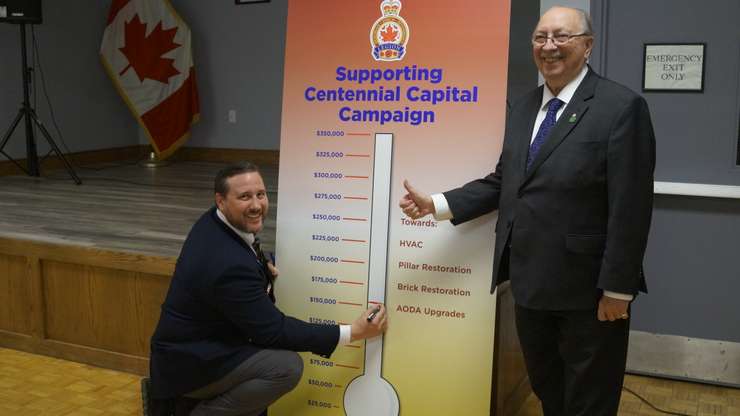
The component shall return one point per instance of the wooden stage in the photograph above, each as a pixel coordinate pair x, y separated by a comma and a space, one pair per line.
84, 269
123, 207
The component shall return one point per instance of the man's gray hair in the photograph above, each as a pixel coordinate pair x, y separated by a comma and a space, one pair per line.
586, 25
585, 18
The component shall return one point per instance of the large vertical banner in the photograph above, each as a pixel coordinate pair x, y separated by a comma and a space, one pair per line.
375, 92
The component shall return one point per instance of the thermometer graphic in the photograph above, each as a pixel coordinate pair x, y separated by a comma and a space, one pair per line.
370, 394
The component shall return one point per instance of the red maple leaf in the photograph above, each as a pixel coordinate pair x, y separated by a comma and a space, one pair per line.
144, 53
388, 34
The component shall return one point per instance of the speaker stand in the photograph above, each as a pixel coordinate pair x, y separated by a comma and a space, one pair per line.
27, 113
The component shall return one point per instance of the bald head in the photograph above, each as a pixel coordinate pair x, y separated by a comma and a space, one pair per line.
584, 20
561, 62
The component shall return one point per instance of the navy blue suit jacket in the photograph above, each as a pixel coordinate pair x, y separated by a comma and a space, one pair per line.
576, 223
217, 314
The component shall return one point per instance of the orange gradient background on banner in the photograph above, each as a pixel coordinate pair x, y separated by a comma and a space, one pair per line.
437, 365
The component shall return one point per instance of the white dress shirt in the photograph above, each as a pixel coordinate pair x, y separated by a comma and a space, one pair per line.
345, 331
442, 208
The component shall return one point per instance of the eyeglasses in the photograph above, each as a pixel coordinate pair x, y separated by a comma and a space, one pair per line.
560, 39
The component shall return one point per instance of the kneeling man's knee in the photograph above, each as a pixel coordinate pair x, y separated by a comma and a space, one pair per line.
291, 368
294, 368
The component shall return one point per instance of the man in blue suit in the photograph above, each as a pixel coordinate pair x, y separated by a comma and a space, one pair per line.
221, 341
574, 191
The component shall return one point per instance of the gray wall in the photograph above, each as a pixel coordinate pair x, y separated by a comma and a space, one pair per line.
88, 110
697, 132
692, 263
238, 53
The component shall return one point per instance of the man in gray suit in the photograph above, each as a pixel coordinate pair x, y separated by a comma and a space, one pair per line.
574, 191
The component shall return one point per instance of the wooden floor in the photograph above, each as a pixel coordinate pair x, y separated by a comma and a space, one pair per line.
121, 207
675, 396
33, 385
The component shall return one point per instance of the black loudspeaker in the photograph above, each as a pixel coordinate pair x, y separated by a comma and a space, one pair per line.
20, 11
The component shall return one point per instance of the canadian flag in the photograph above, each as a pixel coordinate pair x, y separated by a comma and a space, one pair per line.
146, 51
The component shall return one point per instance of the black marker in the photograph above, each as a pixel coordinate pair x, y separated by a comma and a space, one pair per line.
373, 313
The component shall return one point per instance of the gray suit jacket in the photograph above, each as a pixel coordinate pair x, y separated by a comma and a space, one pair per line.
577, 222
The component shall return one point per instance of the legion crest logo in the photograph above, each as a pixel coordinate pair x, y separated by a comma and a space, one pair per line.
390, 33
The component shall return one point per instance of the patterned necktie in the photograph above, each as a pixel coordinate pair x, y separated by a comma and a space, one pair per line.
258, 250
552, 110
263, 260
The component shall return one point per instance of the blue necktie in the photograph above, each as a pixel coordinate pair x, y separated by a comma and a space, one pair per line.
552, 110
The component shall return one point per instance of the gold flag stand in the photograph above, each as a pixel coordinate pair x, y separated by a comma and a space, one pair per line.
153, 162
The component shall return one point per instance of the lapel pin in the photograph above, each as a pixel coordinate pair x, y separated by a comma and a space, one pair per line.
572, 118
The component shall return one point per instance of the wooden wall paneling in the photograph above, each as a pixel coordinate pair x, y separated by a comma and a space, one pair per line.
89, 256
15, 295
79, 353
150, 293
36, 297
92, 306
114, 316
76, 308
68, 303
